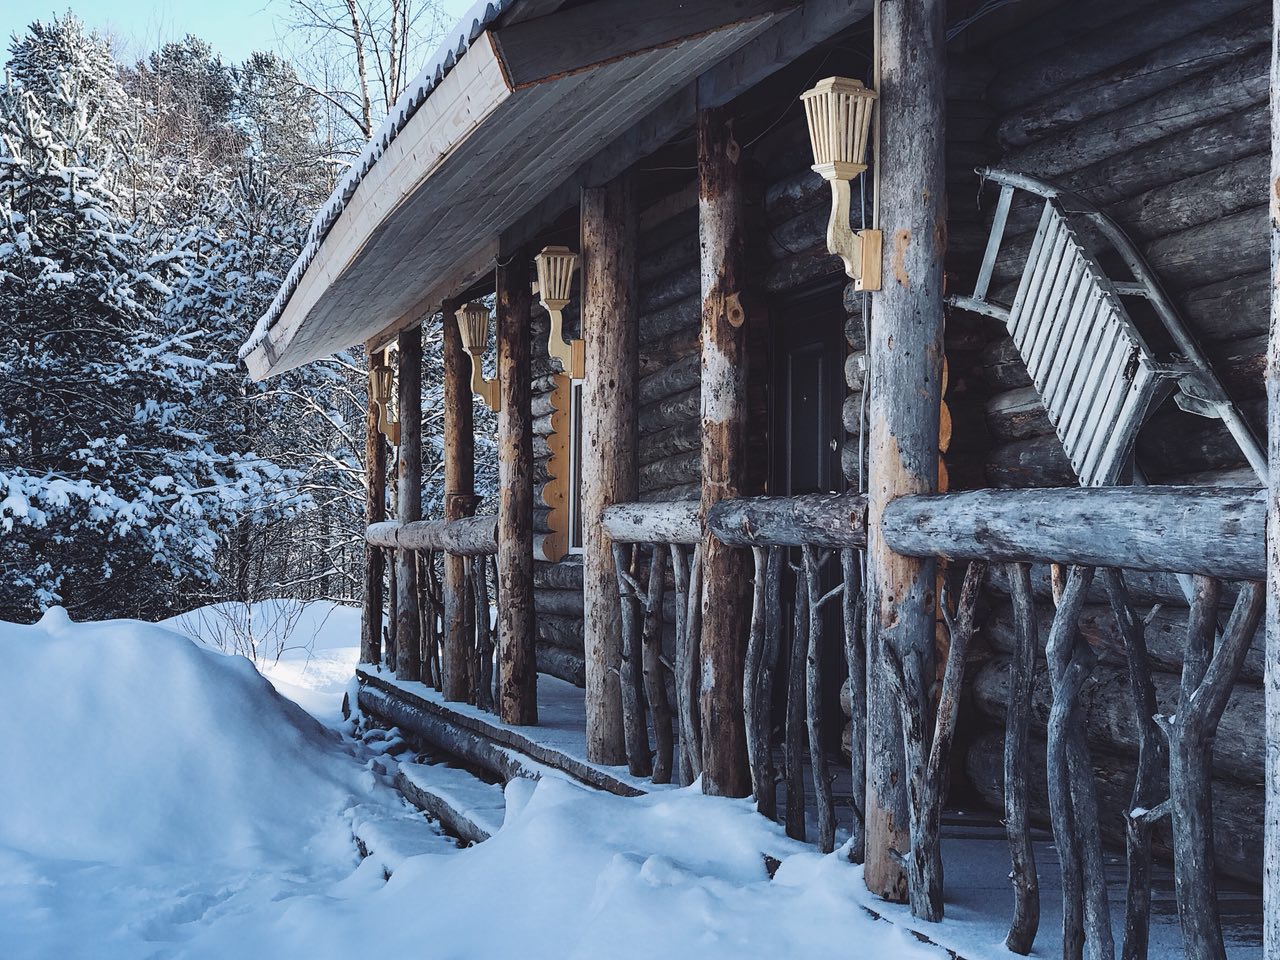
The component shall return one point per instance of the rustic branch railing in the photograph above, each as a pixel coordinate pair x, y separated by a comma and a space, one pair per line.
475, 540
665, 529
1213, 534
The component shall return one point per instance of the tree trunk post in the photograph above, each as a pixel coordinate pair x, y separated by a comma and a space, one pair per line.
906, 387
725, 577
459, 502
409, 505
1271, 854
517, 630
375, 511
610, 444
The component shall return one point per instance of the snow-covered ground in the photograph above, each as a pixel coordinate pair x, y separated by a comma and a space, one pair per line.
161, 799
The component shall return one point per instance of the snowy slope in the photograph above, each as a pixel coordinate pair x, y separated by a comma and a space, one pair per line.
160, 799
308, 651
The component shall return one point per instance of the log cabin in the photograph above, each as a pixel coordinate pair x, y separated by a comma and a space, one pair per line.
944, 484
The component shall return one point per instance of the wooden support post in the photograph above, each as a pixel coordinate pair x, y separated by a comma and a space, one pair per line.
375, 511
725, 574
409, 505
459, 502
517, 631
906, 388
610, 443
1271, 831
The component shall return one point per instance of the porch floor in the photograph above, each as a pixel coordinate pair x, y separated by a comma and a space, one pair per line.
979, 895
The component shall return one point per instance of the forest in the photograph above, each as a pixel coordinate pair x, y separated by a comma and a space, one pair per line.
149, 209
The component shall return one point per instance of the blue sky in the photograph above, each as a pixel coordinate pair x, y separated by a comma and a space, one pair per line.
235, 28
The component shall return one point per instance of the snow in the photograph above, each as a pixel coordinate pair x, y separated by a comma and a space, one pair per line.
162, 800
307, 650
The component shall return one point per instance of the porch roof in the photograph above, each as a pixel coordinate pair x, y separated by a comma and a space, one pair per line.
505, 113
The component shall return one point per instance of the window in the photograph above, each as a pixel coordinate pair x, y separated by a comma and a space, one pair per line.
574, 495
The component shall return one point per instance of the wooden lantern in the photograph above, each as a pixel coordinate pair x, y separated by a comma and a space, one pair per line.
839, 111
473, 327
555, 284
382, 381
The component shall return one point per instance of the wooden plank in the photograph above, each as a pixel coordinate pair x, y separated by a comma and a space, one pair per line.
905, 383
517, 668
591, 34
609, 442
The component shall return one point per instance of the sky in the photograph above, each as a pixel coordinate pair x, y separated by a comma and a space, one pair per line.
234, 28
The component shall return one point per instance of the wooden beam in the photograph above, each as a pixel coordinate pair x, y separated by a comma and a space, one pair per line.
466, 537
1271, 829
905, 378
409, 506
517, 667
725, 575
778, 45
1214, 531
593, 34
375, 511
820, 520
610, 443
459, 502
676, 521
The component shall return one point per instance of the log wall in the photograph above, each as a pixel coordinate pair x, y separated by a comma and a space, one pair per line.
1109, 100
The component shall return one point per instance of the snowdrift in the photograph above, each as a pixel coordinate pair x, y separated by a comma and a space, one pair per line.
131, 743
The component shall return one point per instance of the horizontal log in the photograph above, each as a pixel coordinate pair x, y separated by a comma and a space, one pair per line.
1034, 462
1165, 632
1229, 309
675, 409
666, 522
680, 316
558, 662
676, 378
1118, 84
1237, 84
656, 355
1237, 809
801, 268
818, 519
563, 632
1107, 708
1114, 45
678, 468
1199, 199
1182, 529
794, 194
560, 603
1017, 415
1203, 253
680, 492
681, 438
565, 575
1176, 442
468, 537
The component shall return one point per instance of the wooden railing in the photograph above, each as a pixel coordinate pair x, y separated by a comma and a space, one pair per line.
662, 530
1206, 535
472, 538
1212, 535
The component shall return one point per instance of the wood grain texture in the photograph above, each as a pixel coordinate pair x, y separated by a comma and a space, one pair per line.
375, 511
722, 233
609, 442
409, 504
905, 379
517, 698
459, 502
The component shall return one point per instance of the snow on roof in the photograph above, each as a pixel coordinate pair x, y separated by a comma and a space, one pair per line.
456, 43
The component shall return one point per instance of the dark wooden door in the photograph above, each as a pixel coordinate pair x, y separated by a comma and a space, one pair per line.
808, 351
